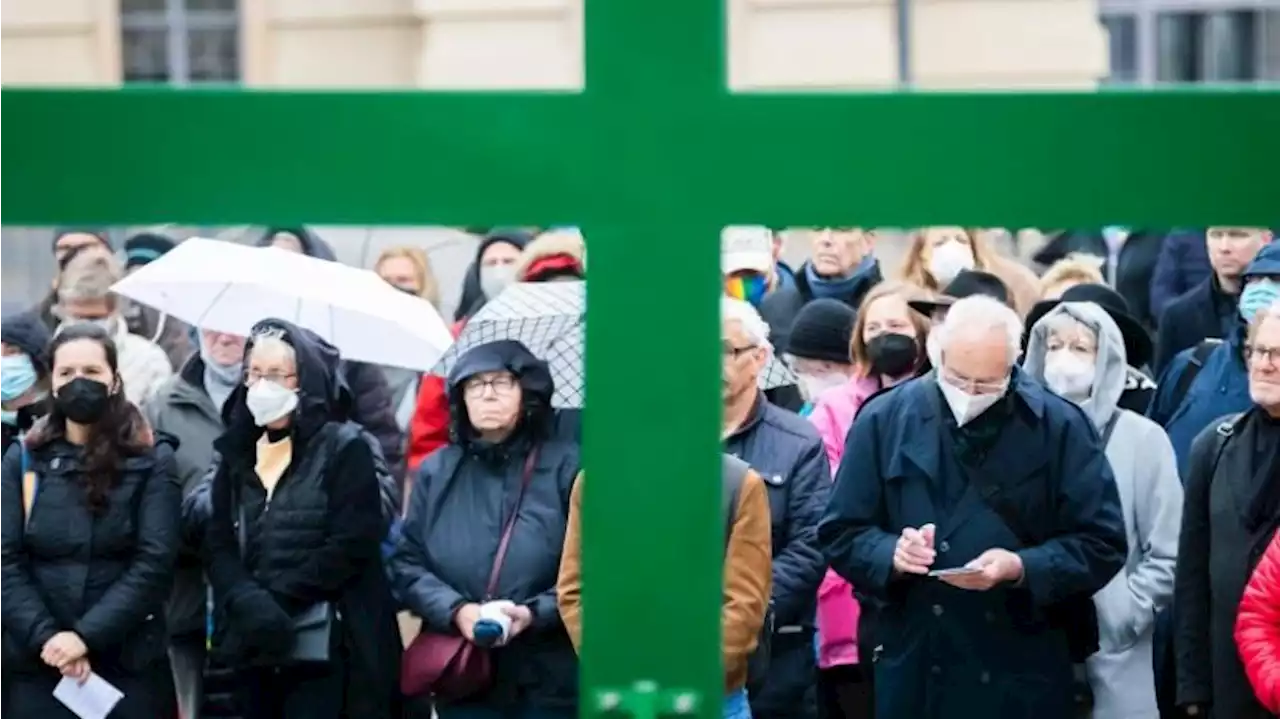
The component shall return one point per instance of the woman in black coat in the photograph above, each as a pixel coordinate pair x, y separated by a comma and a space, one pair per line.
90, 532
503, 465
305, 610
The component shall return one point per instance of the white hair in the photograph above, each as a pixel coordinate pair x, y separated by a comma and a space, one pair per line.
736, 310
270, 345
979, 314
1061, 323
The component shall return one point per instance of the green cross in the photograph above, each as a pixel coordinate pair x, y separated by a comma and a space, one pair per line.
650, 160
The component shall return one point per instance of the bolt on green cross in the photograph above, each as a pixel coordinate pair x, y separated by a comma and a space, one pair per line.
651, 160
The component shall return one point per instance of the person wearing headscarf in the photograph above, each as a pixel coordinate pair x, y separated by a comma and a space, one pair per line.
293, 544
374, 408
502, 471
555, 255
492, 270
1079, 352
24, 372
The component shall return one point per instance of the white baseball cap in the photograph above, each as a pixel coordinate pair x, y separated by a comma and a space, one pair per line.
746, 247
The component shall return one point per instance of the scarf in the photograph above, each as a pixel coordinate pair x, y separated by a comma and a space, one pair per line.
841, 288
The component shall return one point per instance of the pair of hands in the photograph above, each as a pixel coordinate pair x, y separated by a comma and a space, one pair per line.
914, 554
65, 651
468, 614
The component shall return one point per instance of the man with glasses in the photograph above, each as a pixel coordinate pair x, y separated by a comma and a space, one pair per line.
979, 510
786, 451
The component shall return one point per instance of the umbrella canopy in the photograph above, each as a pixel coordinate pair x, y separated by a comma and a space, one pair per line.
228, 287
550, 319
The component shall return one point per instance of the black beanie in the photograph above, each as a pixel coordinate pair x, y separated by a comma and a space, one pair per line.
822, 330
145, 247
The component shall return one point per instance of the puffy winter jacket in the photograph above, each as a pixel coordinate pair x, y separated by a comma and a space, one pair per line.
1258, 628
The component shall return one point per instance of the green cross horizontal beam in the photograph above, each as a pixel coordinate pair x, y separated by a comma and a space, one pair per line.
986, 159
651, 160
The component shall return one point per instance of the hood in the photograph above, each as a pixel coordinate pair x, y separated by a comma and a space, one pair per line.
312, 245
323, 394
472, 296
27, 332
536, 387
1110, 369
553, 253
1266, 262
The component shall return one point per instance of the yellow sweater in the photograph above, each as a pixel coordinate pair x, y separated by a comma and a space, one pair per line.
273, 460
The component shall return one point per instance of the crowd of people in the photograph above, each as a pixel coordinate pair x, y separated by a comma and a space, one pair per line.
993, 490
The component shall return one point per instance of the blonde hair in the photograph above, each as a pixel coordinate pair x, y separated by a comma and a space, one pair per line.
89, 276
1078, 267
890, 288
913, 269
430, 288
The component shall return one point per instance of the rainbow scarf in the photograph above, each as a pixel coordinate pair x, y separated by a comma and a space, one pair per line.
747, 287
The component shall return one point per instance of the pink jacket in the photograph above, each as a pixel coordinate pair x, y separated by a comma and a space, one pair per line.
833, 414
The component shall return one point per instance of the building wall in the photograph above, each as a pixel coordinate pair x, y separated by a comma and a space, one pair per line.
774, 44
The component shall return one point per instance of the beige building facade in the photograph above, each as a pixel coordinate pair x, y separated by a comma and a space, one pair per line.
490, 44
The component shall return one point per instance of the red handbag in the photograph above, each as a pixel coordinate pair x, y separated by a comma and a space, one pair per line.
448, 666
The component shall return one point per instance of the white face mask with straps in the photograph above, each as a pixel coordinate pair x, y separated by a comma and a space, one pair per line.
1069, 374
269, 401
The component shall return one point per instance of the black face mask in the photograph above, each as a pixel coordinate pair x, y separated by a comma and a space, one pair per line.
83, 400
893, 354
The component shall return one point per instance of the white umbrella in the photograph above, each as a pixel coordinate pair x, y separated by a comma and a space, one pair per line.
550, 319
228, 287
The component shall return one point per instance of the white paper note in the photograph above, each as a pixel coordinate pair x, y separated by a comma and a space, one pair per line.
92, 700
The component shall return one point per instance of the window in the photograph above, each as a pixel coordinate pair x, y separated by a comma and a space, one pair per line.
180, 41
1207, 47
1122, 41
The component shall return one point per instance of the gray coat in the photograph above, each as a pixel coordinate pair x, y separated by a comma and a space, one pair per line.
1146, 474
182, 407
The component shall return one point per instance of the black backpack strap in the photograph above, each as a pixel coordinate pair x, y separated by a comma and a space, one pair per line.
1199, 356
733, 472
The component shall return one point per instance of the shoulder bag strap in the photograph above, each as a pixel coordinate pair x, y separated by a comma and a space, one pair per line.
529, 463
1109, 428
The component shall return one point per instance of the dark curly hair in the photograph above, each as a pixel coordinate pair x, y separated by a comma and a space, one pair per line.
120, 432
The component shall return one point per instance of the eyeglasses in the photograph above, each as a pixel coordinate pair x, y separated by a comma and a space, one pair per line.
254, 375
1262, 355
976, 386
731, 352
501, 385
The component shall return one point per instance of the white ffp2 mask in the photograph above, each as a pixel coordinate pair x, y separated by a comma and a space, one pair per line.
268, 401
1069, 375
948, 260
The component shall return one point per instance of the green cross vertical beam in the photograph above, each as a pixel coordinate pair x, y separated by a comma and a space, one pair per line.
652, 543
650, 160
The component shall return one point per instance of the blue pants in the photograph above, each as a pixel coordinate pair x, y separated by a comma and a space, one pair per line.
480, 711
736, 705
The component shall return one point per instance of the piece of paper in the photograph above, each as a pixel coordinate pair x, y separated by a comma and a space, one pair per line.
954, 572
92, 700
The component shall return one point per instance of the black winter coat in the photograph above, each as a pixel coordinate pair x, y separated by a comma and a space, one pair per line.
319, 541
104, 577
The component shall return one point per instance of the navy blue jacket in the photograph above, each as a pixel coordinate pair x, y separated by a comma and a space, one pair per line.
1183, 263
948, 652
1204, 311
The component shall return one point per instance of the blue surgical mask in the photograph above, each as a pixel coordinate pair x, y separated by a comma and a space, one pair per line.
17, 375
9, 417
1256, 296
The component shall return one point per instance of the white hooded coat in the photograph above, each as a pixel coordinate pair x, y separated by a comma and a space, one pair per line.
1146, 473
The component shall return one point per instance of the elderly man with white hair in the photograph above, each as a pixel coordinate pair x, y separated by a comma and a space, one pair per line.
787, 452
979, 510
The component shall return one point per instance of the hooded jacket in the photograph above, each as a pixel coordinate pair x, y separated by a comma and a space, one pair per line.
1146, 476
373, 406
320, 542
461, 500
473, 297
555, 253
27, 332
